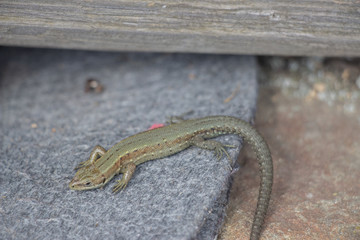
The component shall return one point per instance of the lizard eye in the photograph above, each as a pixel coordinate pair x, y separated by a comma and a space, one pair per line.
88, 184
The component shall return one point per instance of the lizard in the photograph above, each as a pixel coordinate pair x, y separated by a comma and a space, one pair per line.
124, 156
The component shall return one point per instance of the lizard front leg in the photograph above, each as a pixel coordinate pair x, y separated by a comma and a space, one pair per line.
97, 152
127, 172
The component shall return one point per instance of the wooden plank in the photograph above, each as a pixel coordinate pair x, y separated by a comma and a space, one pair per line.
283, 27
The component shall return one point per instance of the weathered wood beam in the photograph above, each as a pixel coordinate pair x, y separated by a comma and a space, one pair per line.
283, 27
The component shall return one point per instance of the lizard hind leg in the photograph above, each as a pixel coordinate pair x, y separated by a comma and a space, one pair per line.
216, 146
97, 152
178, 118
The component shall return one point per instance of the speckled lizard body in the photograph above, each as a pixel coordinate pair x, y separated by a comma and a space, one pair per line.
123, 157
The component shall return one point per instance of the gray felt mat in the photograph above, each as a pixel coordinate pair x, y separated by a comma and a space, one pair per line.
49, 125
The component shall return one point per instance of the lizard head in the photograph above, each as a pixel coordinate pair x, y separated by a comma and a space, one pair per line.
87, 177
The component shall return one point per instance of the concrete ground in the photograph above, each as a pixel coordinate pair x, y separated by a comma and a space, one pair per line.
308, 111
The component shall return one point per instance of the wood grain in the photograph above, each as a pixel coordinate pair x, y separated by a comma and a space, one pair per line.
284, 27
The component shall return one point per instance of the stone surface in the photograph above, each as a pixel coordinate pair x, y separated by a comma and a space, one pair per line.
315, 144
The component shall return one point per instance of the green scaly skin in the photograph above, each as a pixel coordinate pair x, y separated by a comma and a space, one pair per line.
123, 157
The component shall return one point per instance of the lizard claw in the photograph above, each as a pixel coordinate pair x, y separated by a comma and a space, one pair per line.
120, 186
219, 150
80, 165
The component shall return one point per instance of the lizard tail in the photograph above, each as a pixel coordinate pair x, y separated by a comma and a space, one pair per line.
263, 155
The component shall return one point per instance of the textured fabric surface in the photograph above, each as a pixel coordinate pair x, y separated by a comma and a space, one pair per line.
49, 124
